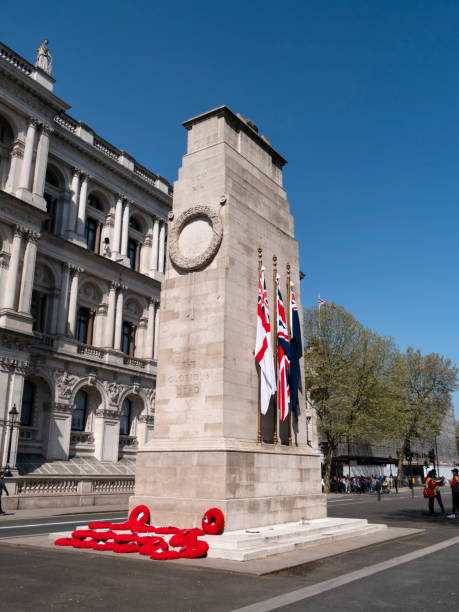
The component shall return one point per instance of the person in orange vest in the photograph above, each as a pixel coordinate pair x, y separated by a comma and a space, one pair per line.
454, 482
432, 491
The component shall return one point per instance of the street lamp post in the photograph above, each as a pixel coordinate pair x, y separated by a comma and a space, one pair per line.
13, 413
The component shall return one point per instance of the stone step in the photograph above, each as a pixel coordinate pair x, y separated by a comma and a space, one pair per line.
301, 541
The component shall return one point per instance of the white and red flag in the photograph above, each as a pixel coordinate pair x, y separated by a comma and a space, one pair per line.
263, 347
324, 303
283, 357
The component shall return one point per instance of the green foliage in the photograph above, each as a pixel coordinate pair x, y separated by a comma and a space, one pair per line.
363, 388
349, 372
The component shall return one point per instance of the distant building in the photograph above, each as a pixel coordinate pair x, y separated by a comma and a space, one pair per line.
83, 230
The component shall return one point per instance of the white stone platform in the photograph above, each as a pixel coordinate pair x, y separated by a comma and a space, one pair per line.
258, 543
262, 542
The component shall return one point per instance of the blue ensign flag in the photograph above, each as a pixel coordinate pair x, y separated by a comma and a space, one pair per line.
296, 352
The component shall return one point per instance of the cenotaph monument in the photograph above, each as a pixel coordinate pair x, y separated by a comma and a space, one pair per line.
228, 202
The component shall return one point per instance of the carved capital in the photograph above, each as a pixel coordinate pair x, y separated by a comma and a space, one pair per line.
47, 130
114, 285
75, 270
61, 408
33, 236
33, 121
147, 418
108, 413
76, 172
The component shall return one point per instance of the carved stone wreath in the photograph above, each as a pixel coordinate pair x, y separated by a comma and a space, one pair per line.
204, 258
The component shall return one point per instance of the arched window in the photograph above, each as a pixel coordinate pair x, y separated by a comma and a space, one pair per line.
79, 412
128, 338
134, 254
38, 310
27, 403
125, 420
134, 224
85, 325
95, 202
51, 178
92, 232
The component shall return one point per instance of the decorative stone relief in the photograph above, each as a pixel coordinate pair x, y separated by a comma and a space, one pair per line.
202, 257
65, 383
114, 391
151, 394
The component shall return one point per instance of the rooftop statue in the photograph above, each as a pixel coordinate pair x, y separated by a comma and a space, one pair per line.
44, 57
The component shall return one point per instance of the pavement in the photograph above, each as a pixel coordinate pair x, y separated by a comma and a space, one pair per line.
401, 574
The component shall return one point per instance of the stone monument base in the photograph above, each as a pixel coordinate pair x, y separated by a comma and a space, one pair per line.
252, 485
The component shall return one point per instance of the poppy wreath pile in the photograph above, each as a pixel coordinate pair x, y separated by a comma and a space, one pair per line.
181, 543
213, 522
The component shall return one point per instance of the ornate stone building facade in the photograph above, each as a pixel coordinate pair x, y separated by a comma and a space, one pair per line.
82, 252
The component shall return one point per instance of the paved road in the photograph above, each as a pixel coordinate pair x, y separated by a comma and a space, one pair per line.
380, 577
63, 522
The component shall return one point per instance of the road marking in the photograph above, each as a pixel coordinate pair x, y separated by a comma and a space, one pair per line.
294, 596
117, 518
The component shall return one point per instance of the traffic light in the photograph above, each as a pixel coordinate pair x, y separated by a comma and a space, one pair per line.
408, 455
432, 456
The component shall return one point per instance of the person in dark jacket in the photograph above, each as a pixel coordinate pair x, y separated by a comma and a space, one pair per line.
2, 488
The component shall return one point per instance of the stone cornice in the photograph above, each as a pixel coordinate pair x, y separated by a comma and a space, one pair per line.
106, 162
80, 255
25, 82
29, 214
242, 124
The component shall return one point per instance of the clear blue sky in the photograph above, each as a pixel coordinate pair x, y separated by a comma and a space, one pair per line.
361, 97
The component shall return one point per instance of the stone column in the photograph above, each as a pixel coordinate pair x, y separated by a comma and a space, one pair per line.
72, 214
82, 206
57, 444
119, 316
124, 239
73, 301
28, 272
155, 347
16, 154
154, 246
110, 322
26, 170
150, 335
162, 245
41, 161
9, 299
63, 300
107, 434
117, 227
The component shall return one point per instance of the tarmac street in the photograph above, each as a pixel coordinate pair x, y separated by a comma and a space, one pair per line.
402, 574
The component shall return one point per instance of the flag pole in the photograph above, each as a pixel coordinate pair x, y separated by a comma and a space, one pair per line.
288, 369
260, 263
275, 342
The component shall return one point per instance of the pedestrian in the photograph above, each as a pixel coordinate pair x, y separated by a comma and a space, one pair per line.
2, 488
396, 483
432, 491
455, 493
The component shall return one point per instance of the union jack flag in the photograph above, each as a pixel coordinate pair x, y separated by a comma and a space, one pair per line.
263, 347
283, 357
325, 303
